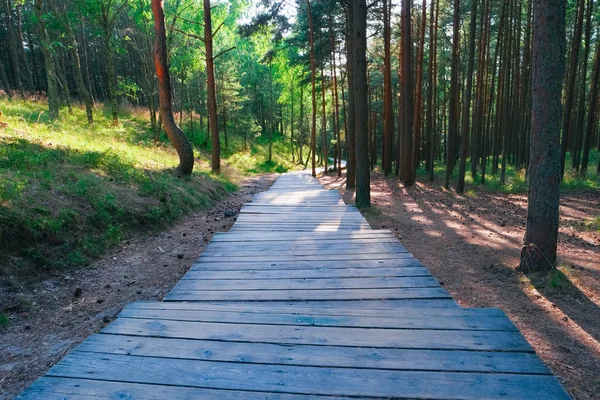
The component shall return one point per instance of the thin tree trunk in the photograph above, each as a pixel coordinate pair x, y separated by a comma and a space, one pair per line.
175, 134
324, 122
592, 113
359, 48
211, 91
52, 92
570, 86
454, 96
313, 73
419, 94
351, 130
465, 125
388, 114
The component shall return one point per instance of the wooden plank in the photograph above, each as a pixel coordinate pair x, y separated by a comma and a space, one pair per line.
52, 388
307, 380
316, 245
417, 322
209, 258
378, 304
329, 336
300, 237
308, 284
305, 294
224, 265
396, 311
318, 356
306, 273
326, 253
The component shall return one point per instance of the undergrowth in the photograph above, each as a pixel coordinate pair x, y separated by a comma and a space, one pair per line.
69, 191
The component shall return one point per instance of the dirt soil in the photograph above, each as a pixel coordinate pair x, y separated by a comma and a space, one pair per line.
472, 243
57, 314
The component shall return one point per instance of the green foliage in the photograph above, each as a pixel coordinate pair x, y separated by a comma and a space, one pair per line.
515, 179
4, 321
69, 192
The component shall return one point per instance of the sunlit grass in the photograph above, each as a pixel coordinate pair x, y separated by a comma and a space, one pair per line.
70, 191
515, 179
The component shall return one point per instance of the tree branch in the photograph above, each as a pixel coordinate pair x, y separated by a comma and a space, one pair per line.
188, 34
217, 30
223, 52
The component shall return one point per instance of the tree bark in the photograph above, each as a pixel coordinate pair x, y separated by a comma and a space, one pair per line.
359, 46
388, 114
539, 252
454, 96
52, 91
351, 121
589, 129
570, 86
211, 91
465, 125
175, 134
313, 73
406, 85
419, 93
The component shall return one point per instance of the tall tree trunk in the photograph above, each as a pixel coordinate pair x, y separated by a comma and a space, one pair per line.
419, 94
589, 129
359, 47
313, 73
570, 86
335, 100
539, 252
211, 91
12, 46
175, 134
454, 96
351, 130
432, 110
81, 88
406, 85
583, 77
388, 114
22, 55
478, 118
465, 125
52, 92
324, 122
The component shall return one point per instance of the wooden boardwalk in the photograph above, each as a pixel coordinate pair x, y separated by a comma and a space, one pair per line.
303, 300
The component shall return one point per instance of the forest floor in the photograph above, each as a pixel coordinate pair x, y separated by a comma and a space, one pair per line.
472, 243
52, 317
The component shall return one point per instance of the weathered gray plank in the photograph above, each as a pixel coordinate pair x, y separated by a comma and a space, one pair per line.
51, 388
377, 304
309, 284
318, 356
226, 265
255, 258
375, 251
368, 309
330, 336
305, 294
315, 247
307, 380
300, 319
306, 273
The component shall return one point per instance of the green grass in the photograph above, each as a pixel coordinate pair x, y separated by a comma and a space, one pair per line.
515, 181
69, 191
